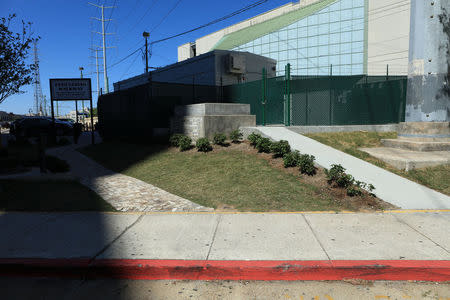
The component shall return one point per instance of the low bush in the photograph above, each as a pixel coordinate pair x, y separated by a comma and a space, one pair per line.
253, 138
185, 143
174, 139
281, 148
56, 165
263, 145
306, 164
354, 187
291, 159
236, 136
219, 139
354, 191
334, 173
203, 145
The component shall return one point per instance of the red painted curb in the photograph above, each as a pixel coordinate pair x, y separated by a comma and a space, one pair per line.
419, 270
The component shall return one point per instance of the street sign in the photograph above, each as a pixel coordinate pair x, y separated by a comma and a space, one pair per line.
68, 89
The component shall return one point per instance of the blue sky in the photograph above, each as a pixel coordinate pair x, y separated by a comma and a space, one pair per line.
66, 34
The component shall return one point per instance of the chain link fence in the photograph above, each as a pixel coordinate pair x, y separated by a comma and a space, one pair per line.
323, 100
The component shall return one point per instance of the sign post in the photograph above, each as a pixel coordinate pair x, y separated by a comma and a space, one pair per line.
71, 89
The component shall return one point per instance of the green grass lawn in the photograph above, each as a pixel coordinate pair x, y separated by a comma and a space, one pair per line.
232, 177
21, 195
437, 178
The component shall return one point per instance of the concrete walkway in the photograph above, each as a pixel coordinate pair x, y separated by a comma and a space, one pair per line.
123, 192
389, 187
212, 236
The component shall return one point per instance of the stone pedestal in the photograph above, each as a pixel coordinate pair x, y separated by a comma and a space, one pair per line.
207, 119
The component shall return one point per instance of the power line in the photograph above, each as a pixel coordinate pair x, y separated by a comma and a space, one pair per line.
132, 63
140, 20
244, 9
112, 10
118, 62
164, 18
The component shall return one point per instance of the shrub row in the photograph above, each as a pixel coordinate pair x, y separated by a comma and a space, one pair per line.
282, 149
203, 144
305, 163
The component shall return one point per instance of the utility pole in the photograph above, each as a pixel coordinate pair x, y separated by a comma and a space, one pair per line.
82, 101
96, 68
37, 84
103, 34
145, 34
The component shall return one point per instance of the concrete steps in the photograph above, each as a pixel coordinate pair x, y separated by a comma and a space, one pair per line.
408, 160
416, 145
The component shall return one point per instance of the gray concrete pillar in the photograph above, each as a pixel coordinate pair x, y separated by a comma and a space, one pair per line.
428, 92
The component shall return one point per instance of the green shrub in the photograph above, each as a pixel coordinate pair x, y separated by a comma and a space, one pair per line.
291, 159
263, 145
306, 164
203, 145
253, 138
219, 139
281, 148
334, 173
354, 191
236, 136
337, 174
185, 143
174, 139
56, 165
354, 187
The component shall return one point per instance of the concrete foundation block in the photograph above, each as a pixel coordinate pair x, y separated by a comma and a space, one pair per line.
425, 130
207, 119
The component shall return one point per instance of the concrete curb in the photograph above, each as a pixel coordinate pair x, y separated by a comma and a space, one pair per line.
393, 270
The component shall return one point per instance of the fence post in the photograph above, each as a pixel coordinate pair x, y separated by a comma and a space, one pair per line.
264, 98
331, 94
193, 88
287, 95
387, 72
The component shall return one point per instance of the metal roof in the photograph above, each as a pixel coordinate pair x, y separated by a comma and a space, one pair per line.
253, 32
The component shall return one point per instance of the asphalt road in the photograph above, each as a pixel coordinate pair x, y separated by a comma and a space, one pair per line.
41, 288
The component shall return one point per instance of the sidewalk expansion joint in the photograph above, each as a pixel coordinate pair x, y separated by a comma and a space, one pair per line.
214, 237
315, 236
422, 234
115, 239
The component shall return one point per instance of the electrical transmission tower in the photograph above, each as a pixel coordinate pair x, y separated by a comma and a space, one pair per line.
97, 72
39, 103
103, 34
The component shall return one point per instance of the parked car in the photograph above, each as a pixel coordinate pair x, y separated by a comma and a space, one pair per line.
67, 120
34, 126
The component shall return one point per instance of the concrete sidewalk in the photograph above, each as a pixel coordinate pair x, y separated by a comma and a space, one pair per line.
210, 246
185, 240
389, 186
233, 236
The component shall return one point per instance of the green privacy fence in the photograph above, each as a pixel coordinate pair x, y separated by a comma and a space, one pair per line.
323, 100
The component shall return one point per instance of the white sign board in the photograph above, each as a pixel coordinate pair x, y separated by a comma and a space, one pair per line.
70, 89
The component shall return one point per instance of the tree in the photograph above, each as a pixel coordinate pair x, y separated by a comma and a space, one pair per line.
14, 47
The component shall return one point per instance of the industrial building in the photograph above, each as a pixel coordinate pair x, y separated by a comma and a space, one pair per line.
354, 36
363, 44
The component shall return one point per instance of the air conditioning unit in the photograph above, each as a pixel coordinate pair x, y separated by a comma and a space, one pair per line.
235, 63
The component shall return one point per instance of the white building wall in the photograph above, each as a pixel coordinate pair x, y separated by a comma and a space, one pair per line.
185, 52
388, 37
387, 40
207, 42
